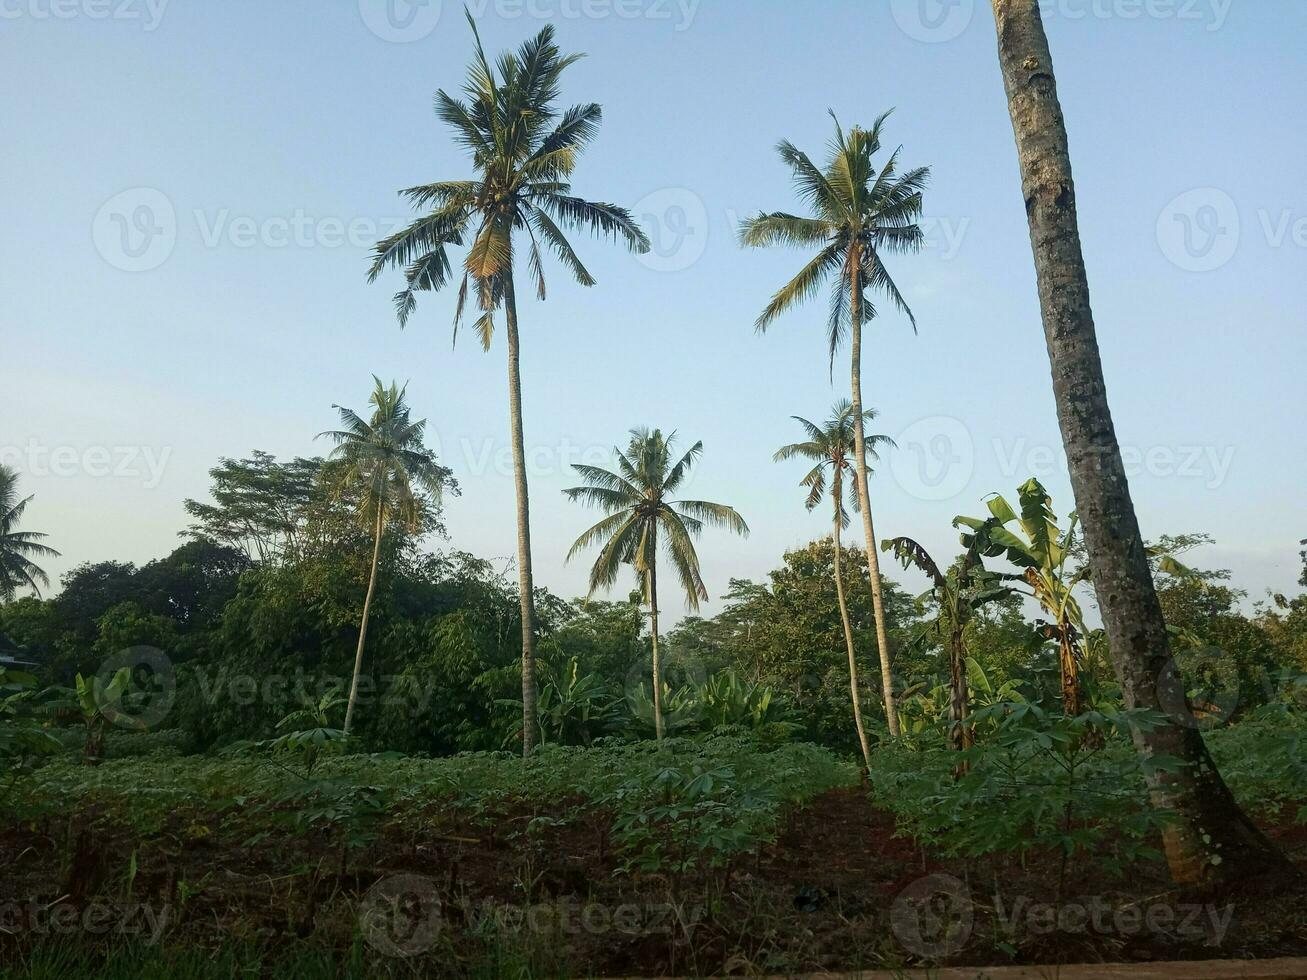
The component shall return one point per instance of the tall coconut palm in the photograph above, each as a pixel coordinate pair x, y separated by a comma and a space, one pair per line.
393, 475
831, 447
641, 516
18, 548
523, 153
860, 214
1210, 835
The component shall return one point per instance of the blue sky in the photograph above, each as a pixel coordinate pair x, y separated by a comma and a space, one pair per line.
190, 191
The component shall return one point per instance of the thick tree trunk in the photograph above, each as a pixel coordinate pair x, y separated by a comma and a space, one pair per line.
864, 505
525, 583
657, 663
363, 624
1211, 837
837, 493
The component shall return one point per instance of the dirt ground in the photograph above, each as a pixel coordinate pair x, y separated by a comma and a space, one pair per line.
837, 890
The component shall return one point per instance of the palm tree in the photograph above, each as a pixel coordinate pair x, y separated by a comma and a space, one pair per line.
1210, 836
523, 153
831, 447
18, 548
860, 214
394, 476
641, 515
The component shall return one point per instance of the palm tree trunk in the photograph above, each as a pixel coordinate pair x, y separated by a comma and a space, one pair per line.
864, 498
1210, 837
525, 583
848, 630
657, 664
363, 625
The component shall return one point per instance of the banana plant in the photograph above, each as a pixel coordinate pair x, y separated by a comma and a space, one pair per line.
101, 705
1033, 542
958, 593
23, 738
573, 707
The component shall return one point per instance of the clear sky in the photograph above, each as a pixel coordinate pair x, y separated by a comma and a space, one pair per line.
189, 191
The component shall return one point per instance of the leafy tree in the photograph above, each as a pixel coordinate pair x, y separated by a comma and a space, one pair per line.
642, 515
832, 447
19, 548
260, 506
1211, 836
395, 475
861, 214
523, 152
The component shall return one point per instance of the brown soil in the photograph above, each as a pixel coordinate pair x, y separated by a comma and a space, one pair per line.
826, 895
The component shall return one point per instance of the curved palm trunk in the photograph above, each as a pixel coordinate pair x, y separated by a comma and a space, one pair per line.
848, 632
525, 583
1210, 837
657, 664
864, 504
363, 625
